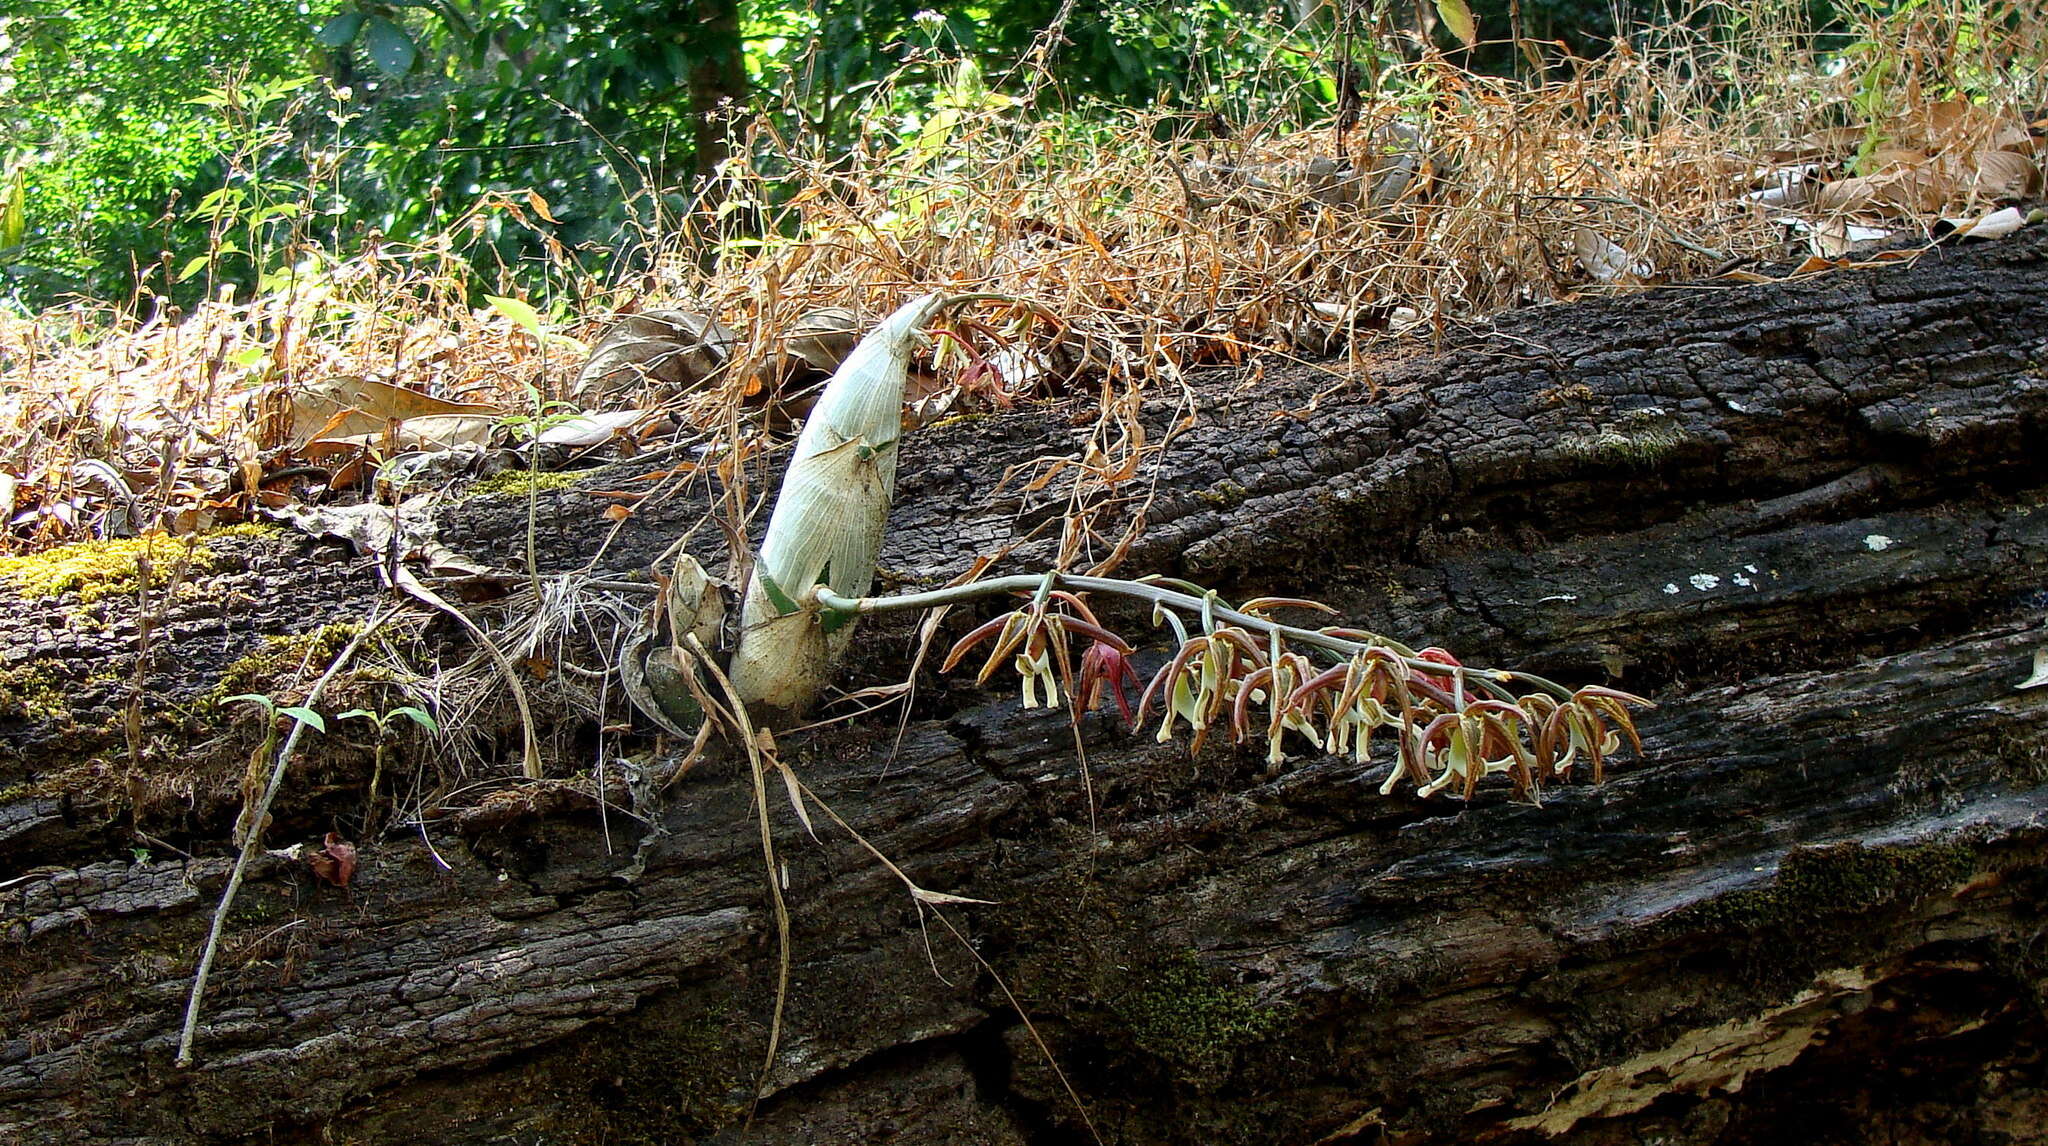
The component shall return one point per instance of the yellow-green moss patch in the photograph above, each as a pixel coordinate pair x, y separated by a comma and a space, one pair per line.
29, 693
278, 660
96, 569
523, 482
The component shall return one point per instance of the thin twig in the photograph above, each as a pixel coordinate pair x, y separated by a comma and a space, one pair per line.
252, 842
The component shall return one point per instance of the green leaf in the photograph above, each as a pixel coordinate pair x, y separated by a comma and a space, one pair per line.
305, 715
255, 697
389, 47
832, 620
355, 712
14, 214
522, 314
1457, 16
193, 266
419, 716
340, 30
781, 600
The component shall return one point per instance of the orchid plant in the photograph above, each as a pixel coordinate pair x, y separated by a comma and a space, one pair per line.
1232, 668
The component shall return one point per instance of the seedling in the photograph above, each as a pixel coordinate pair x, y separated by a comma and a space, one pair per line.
384, 722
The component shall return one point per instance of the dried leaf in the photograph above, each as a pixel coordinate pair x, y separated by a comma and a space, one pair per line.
346, 406
673, 351
796, 797
1905, 190
1457, 16
335, 862
593, 429
1605, 260
941, 898
1996, 225
2005, 175
823, 338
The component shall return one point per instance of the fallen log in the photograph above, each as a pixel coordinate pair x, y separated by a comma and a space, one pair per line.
1806, 517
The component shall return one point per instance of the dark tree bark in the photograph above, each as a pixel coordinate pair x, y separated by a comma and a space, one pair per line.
718, 80
1806, 517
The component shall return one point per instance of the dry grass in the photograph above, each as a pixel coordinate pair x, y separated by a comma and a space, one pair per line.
1145, 251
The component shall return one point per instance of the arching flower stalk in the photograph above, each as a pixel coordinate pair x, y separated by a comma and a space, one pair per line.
1453, 725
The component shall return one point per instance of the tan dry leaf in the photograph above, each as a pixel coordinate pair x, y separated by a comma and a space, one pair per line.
1894, 158
1827, 143
824, 337
346, 406
1996, 225
1945, 124
2005, 175
1605, 259
675, 351
1834, 238
2013, 137
431, 432
1907, 191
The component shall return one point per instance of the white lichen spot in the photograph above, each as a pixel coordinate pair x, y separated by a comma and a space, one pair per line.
1737, 406
1749, 568
1878, 543
1671, 588
1704, 581
1743, 581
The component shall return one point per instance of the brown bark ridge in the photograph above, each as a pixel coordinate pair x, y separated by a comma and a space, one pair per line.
1807, 517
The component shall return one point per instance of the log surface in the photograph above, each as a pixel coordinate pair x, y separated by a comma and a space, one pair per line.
1808, 518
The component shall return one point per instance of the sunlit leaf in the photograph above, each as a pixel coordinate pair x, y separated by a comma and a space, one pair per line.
14, 213
418, 716
522, 314
1457, 16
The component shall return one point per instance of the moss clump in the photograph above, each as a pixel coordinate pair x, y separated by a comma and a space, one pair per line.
1223, 494
278, 659
523, 482
1641, 439
251, 530
29, 693
1183, 1016
96, 569
1843, 879
668, 1076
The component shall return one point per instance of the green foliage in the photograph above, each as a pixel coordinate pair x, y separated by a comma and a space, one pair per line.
183, 148
272, 709
100, 130
189, 146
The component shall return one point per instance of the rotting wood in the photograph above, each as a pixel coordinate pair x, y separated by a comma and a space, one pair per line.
1808, 518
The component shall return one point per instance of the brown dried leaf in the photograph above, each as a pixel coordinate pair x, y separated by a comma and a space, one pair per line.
2005, 175
346, 406
335, 862
1910, 191
672, 350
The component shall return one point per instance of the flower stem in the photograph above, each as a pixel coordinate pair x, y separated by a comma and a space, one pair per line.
1161, 595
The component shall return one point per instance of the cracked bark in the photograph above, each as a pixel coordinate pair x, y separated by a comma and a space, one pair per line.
1806, 517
